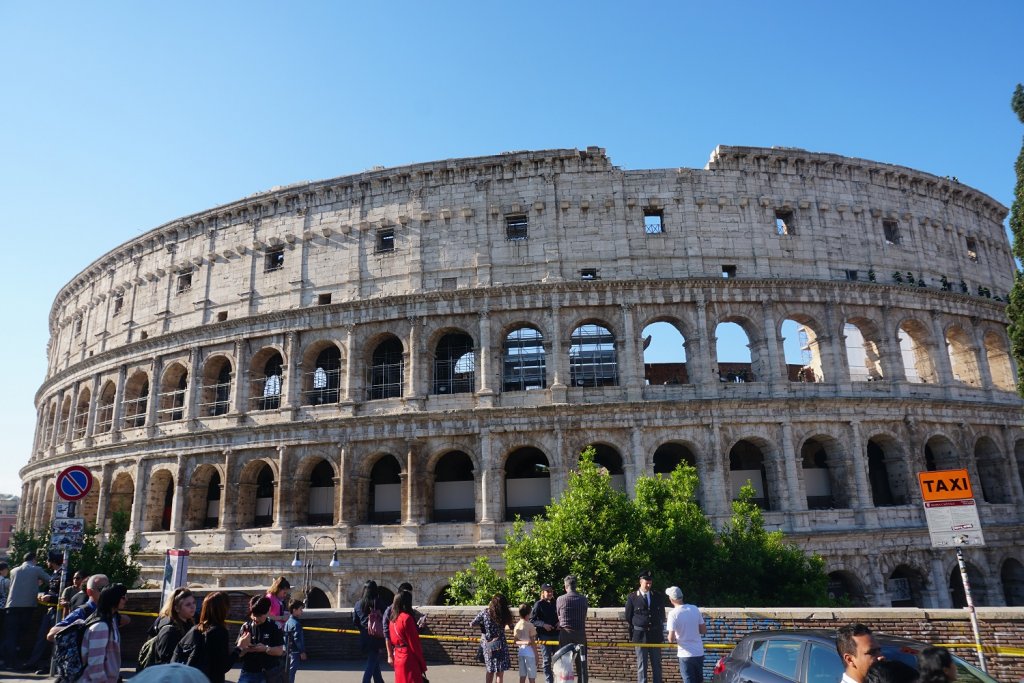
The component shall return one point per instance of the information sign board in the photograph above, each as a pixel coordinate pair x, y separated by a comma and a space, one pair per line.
953, 523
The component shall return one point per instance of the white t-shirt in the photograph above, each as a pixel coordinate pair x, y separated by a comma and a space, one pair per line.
685, 621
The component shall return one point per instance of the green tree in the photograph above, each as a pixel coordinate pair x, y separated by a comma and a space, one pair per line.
110, 558
1015, 308
24, 541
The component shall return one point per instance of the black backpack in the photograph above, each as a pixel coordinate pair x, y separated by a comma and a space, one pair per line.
191, 650
67, 648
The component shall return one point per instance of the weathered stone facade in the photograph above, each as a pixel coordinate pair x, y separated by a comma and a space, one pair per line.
404, 359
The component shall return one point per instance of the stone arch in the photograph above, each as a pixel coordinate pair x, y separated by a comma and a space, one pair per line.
1012, 577
862, 338
256, 494
979, 586
751, 366
916, 346
81, 413
217, 380
999, 365
64, 421
593, 356
49, 419
159, 500
173, 392
810, 332
266, 378
994, 479
88, 507
122, 495
453, 363
905, 585
941, 454
315, 492
454, 488
610, 458
888, 475
749, 461
664, 348
963, 357
317, 598
136, 400
386, 362
826, 473
527, 483
321, 384
524, 358
440, 596
845, 587
105, 407
203, 500
386, 495
669, 455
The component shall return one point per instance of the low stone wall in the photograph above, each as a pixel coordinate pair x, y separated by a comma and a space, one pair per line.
1000, 627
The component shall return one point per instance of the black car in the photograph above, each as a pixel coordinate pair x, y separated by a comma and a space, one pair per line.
809, 656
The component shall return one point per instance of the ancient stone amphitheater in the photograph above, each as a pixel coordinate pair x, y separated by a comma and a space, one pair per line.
397, 363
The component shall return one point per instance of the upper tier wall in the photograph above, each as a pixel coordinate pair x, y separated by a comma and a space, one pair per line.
448, 222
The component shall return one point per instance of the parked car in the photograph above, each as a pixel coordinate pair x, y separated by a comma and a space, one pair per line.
809, 656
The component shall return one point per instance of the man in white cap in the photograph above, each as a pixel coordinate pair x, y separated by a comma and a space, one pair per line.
685, 628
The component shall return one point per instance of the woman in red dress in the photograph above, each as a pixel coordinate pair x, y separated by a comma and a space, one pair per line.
405, 637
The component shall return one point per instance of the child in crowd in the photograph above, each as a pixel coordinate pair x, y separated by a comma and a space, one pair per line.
525, 635
294, 640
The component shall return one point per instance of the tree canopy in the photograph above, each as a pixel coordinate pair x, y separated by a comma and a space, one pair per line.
606, 538
1015, 309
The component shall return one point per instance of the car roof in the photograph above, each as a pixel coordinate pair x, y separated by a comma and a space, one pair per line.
829, 635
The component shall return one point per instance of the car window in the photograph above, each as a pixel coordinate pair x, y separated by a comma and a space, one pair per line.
757, 649
969, 674
824, 665
782, 656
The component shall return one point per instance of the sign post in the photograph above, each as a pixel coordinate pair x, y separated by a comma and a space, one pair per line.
953, 522
67, 531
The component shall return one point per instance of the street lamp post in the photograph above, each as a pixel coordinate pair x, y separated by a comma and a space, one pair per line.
308, 552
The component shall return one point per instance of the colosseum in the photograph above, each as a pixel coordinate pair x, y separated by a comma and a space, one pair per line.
395, 364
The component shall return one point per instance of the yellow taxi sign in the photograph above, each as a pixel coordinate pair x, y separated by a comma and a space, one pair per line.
945, 485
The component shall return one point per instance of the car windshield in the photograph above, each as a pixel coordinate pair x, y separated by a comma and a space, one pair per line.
964, 671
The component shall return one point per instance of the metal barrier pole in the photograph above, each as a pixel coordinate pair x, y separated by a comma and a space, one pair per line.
970, 607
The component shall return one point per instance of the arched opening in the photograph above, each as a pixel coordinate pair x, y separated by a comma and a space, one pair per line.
317, 599
441, 597
979, 590
609, 458
81, 414
48, 424
385, 594
735, 355
454, 494
523, 365
202, 502
862, 351
88, 507
802, 350
1018, 454
824, 478
593, 361
844, 588
105, 408
1012, 576
885, 473
962, 357
915, 346
664, 354
211, 518
999, 365
136, 399
387, 369
386, 491
322, 383
904, 587
668, 456
173, 388
65, 419
159, 501
122, 493
527, 483
216, 394
263, 515
747, 465
321, 495
995, 485
267, 380
940, 454
454, 365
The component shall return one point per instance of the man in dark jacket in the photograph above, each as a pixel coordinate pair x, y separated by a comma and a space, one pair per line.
645, 614
544, 617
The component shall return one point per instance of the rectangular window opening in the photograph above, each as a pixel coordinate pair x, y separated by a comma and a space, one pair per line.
386, 240
449, 283
972, 249
784, 224
728, 271
517, 227
274, 259
118, 303
891, 230
78, 326
851, 275
323, 299
184, 281
654, 222
588, 273
222, 316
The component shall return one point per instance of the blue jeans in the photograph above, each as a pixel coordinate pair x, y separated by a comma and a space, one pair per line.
372, 669
648, 665
293, 666
251, 677
546, 652
691, 669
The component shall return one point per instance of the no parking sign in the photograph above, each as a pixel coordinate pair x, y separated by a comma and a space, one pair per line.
74, 483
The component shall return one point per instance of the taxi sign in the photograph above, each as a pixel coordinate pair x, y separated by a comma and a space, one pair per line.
945, 485
74, 483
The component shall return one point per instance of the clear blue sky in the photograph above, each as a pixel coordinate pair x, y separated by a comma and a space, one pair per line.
117, 117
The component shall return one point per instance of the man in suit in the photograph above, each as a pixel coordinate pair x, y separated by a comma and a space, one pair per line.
645, 614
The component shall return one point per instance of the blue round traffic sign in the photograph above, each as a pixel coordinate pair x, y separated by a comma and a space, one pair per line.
74, 483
